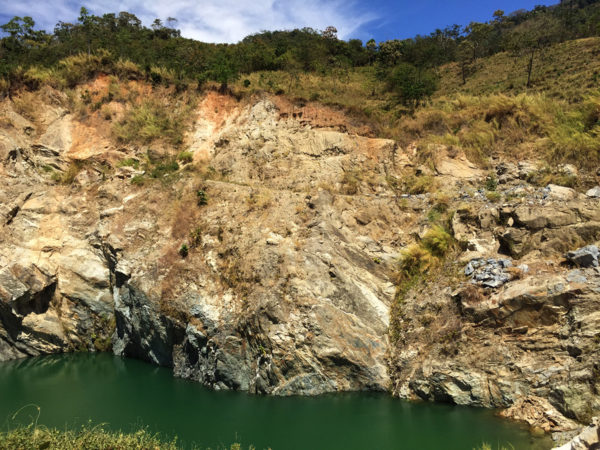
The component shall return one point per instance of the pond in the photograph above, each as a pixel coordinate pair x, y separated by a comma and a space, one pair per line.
126, 394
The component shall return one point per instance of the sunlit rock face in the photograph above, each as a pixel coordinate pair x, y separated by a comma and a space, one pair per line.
267, 260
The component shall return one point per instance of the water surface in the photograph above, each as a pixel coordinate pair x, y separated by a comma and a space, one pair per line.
72, 389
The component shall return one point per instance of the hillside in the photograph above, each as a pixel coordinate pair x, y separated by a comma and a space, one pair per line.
569, 71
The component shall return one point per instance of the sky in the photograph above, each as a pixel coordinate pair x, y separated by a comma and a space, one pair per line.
231, 20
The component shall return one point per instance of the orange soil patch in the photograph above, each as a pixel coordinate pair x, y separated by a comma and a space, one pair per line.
88, 141
217, 108
319, 116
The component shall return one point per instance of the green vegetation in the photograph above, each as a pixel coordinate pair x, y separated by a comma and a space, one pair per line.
201, 197
35, 437
526, 125
38, 437
150, 121
68, 176
517, 85
77, 51
185, 157
184, 250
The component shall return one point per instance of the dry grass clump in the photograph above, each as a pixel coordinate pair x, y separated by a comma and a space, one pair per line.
351, 181
260, 199
512, 126
421, 258
418, 184
150, 121
83, 67
68, 176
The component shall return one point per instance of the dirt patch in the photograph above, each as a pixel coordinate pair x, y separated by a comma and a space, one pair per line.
319, 116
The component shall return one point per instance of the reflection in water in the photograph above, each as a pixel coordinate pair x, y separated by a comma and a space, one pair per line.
71, 389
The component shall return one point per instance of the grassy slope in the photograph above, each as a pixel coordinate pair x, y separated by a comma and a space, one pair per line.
566, 71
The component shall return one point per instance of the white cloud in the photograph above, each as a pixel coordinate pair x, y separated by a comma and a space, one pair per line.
209, 20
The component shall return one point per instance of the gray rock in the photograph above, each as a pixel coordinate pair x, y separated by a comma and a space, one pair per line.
589, 438
584, 257
594, 192
142, 332
576, 276
488, 272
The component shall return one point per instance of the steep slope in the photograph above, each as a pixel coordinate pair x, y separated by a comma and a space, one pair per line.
267, 258
279, 293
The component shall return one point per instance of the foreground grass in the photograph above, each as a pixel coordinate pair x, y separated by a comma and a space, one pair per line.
87, 437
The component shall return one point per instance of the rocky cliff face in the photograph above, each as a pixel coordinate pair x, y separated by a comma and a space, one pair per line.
294, 227
525, 324
286, 288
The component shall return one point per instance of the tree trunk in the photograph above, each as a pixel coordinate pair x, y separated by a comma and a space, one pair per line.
530, 68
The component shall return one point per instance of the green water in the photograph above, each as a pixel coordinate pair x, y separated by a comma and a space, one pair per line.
71, 389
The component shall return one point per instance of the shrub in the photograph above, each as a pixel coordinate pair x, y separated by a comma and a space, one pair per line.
416, 260
83, 67
127, 70
195, 237
162, 75
351, 181
4, 87
437, 241
164, 168
201, 197
69, 175
184, 250
88, 436
491, 183
259, 200
185, 157
411, 84
148, 122
493, 196
138, 180
129, 162
415, 185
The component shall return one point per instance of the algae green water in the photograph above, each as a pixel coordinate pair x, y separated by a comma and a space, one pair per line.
72, 389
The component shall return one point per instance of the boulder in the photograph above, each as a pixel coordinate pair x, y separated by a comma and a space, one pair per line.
584, 257
594, 192
526, 169
555, 192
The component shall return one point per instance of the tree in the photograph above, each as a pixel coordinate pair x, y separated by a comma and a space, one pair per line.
479, 34
413, 85
464, 56
531, 37
330, 32
372, 50
223, 69
390, 52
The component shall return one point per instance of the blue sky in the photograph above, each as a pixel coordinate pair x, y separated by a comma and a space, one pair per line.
231, 20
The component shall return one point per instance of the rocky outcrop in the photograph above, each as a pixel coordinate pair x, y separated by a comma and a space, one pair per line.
539, 413
588, 439
509, 332
288, 282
